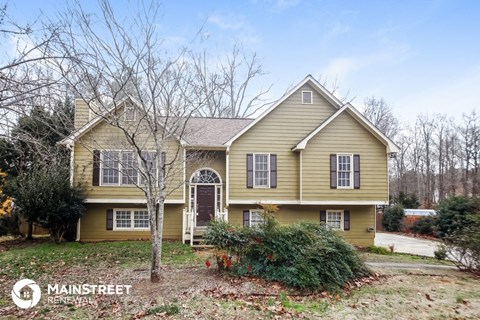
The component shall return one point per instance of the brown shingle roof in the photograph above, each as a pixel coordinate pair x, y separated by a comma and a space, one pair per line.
211, 132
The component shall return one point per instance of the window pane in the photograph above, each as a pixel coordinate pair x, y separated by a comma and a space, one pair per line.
110, 167
307, 97
256, 218
122, 219
344, 171
261, 170
334, 219
129, 170
129, 113
151, 164
140, 219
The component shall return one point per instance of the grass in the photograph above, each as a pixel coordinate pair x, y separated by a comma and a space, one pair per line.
169, 309
47, 258
402, 258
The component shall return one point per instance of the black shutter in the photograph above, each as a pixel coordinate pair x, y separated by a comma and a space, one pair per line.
246, 218
109, 219
273, 171
323, 216
96, 168
356, 171
249, 170
333, 171
346, 220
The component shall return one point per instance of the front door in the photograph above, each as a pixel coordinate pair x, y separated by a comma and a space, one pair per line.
205, 204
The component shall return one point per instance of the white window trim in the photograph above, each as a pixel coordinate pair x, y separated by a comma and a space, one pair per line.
125, 113
311, 95
260, 211
342, 223
351, 171
268, 171
132, 228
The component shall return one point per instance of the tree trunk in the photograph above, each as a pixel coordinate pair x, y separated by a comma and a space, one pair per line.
156, 239
30, 230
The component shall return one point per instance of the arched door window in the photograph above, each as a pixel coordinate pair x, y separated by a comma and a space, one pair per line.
206, 176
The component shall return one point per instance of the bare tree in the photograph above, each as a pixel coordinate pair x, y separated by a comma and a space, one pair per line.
122, 70
470, 134
226, 88
25, 79
380, 114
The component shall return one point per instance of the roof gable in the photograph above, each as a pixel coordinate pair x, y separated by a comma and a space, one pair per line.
391, 146
308, 80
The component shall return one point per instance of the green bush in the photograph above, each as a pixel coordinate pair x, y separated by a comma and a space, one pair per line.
463, 246
393, 218
453, 213
424, 225
378, 250
302, 255
9, 224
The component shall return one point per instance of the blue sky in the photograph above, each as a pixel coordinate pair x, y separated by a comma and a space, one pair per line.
420, 56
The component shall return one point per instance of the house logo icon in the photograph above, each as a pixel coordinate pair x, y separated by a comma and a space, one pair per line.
26, 293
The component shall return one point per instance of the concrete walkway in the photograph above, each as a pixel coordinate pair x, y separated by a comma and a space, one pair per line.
405, 244
401, 265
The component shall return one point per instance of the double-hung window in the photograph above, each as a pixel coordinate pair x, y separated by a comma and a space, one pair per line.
335, 219
129, 168
119, 168
253, 218
344, 171
131, 219
149, 163
110, 164
261, 171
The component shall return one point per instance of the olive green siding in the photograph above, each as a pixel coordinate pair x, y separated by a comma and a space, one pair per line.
345, 135
361, 218
278, 132
93, 225
106, 137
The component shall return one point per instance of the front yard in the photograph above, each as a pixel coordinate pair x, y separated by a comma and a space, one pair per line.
190, 290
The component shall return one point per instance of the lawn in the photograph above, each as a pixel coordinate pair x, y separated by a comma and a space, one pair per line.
190, 290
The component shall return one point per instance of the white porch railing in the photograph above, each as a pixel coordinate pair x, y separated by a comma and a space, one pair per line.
222, 216
188, 223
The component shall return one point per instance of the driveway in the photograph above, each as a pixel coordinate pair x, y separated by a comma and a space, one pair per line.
405, 244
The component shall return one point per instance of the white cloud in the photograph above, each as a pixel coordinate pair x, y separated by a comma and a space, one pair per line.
227, 21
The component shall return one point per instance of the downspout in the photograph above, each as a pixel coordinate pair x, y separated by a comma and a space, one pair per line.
301, 177
72, 174
227, 172
184, 173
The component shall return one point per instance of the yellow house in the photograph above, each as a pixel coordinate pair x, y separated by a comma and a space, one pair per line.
317, 158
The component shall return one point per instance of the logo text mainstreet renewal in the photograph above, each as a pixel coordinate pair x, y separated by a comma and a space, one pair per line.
87, 289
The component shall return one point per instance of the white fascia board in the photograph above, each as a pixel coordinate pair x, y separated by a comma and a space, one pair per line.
132, 201
309, 79
95, 121
321, 202
391, 146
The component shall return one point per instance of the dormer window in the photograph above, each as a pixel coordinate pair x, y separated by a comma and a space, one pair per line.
307, 97
129, 113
